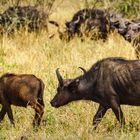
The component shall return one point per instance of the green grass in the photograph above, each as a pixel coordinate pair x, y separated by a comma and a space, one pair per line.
40, 55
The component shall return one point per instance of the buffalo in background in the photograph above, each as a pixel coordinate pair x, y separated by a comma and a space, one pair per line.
97, 24
125, 27
85, 22
28, 17
91, 19
129, 29
102, 22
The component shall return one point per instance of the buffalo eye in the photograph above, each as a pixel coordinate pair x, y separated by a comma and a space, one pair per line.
59, 89
74, 85
74, 90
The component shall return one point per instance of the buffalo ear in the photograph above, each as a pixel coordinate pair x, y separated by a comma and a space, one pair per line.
74, 85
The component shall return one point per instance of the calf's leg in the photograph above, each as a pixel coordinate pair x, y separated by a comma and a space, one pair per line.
8, 109
2, 113
98, 116
10, 115
39, 111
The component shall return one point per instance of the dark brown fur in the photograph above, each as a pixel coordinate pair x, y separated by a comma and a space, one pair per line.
110, 82
21, 90
90, 18
17, 17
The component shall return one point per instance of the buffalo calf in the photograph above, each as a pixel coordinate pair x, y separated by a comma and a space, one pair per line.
110, 82
21, 90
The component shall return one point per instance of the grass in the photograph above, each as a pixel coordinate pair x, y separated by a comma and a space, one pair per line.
39, 55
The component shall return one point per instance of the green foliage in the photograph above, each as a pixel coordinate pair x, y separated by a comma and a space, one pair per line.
128, 8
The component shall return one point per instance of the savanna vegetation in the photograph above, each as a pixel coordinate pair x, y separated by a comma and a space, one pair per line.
38, 54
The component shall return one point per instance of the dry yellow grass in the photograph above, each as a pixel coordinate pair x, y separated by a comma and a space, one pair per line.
39, 55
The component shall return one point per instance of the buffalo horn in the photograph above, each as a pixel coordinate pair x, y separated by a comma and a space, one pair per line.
59, 77
82, 69
77, 21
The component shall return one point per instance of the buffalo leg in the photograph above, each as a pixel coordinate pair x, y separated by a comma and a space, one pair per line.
41, 114
8, 109
10, 115
98, 116
2, 113
39, 111
114, 103
37, 118
115, 106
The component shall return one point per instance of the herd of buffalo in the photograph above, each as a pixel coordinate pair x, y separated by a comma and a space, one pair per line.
92, 23
110, 82
98, 24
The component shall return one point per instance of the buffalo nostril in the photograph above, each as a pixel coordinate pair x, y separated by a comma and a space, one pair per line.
54, 104
51, 103
128, 37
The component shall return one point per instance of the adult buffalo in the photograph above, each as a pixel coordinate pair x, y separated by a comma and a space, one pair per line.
111, 82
